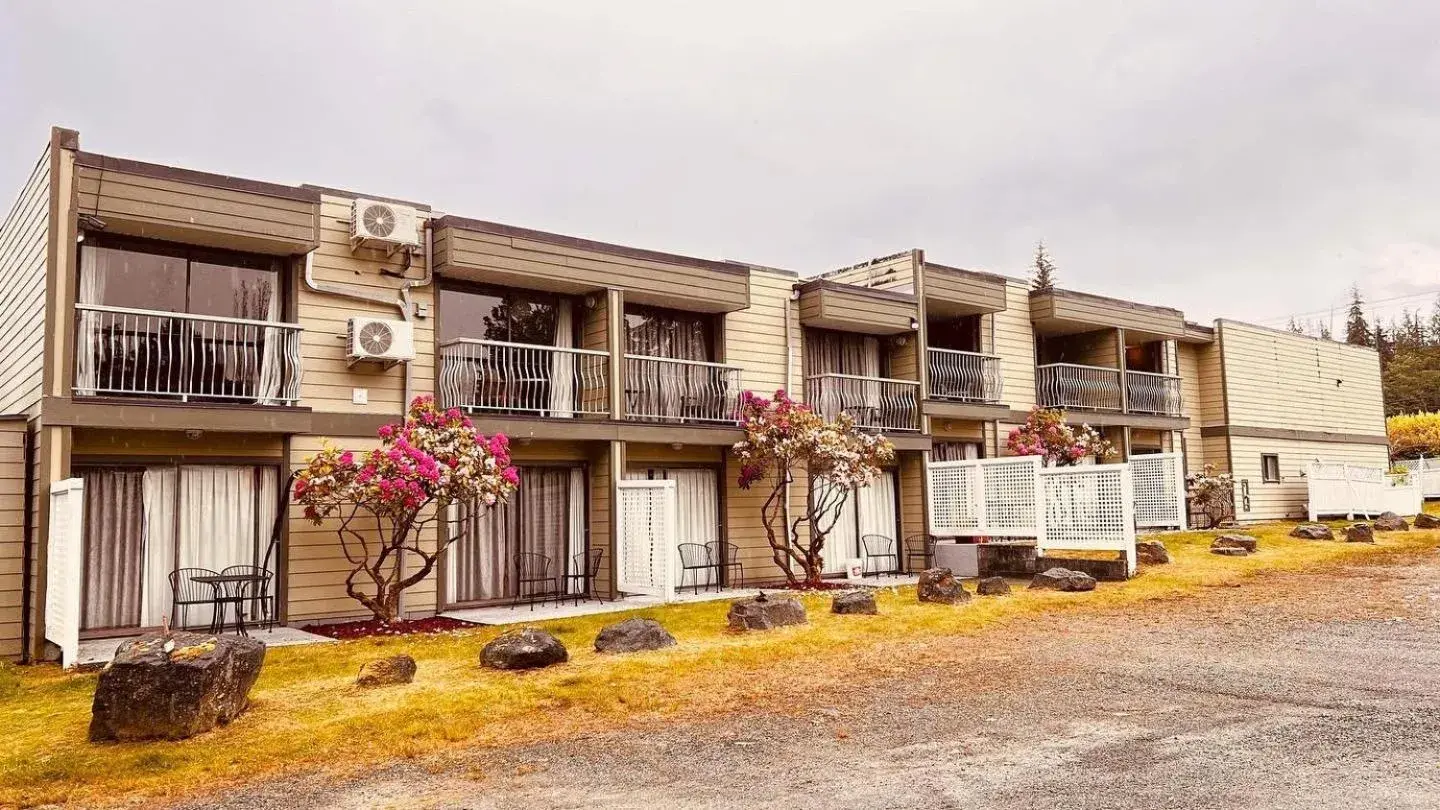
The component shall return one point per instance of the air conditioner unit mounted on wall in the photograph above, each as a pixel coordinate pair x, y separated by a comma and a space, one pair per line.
379, 340
383, 224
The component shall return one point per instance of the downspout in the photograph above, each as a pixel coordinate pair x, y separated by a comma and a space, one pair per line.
789, 388
28, 538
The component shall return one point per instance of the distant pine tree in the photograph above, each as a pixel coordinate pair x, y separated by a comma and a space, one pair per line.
1043, 273
1295, 326
1357, 329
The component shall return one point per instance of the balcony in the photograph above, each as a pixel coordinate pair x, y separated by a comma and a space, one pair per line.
875, 403
1157, 394
124, 352
662, 389
494, 376
964, 376
1068, 385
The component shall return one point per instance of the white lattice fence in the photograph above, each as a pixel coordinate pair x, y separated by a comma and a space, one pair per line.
1159, 482
1337, 489
646, 541
65, 552
1088, 508
1426, 473
994, 497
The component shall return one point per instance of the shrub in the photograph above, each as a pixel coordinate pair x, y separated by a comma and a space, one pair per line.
1413, 435
1046, 434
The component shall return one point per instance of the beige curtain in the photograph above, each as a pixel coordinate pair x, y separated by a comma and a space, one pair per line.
114, 538
538, 519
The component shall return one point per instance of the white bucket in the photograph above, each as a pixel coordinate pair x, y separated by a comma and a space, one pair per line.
854, 569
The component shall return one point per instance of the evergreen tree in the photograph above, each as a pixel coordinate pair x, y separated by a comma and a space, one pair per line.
1357, 329
1295, 326
1434, 337
1043, 274
1323, 329
1384, 345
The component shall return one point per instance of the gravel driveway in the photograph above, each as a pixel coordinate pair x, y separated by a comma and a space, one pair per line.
1302, 692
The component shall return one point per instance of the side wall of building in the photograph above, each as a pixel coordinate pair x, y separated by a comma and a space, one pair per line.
12, 536
24, 248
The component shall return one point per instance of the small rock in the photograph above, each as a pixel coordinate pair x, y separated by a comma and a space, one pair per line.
763, 613
633, 635
1151, 552
1390, 522
993, 586
1244, 541
854, 602
529, 648
940, 586
1063, 579
170, 687
1360, 533
1229, 551
1312, 531
1425, 520
395, 669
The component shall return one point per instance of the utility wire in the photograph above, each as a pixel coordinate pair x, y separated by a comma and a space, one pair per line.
1346, 305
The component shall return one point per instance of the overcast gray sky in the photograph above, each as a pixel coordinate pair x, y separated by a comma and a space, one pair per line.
1246, 159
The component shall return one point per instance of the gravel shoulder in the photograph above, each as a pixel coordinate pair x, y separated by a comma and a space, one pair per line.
1294, 691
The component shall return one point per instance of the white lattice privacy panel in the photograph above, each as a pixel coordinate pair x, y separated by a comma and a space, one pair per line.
993, 497
646, 538
65, 555
1159, 481
1426, 473
1088, 508
1337, 489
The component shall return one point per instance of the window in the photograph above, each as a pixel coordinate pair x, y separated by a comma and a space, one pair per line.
960, 333
509, 316
1269, 467
656, 332
163, 277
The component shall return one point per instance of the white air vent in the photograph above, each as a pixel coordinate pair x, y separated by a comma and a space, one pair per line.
379, 339
383, 224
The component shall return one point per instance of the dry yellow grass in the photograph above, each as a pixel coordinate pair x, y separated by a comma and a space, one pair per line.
308, 714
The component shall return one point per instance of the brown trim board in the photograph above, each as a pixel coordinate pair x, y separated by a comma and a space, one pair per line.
198, 178
1244, 432
109, 413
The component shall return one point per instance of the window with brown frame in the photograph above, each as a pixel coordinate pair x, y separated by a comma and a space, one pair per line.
1269, 468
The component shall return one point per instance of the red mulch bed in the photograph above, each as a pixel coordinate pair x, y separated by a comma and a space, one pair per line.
374, 627
827, 585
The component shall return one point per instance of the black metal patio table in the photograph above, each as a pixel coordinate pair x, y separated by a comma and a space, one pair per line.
230, 589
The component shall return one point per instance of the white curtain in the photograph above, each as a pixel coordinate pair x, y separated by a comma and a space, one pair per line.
265, 304
217, 517
562, 363
697, 512
577, 524
93, 266
875, 508
869, 510
842, 543
158, 492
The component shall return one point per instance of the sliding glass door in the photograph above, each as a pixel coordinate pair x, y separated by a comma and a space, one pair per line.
545, 516
868, 510
143, 522
697, 509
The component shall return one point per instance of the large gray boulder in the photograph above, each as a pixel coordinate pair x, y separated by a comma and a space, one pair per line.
1151, 552
530, 648
388, 671
1245, 541
1390, 522
169, 687
1360, 533
1425, 520
939, 585
1312, 531
765, 613
992, 586
633, 635
857, 602
1063, 579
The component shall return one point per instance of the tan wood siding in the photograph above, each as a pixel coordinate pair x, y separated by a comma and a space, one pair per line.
1015, 345
640, 455
189, 211
568, 266
12, 535
601, 533
755, 337
149, 443
912, 499
1195, 395
830, 305
595, 335
1287, 498
893, 272
327, 384
1283, 380
24, 245
951, 291
1065, 311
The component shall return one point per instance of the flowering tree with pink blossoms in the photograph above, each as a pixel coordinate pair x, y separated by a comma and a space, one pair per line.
782, 436
386, 499
1046, 434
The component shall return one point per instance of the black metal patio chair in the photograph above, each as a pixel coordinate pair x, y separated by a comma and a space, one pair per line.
877, 547
919, 547
727, 559
254, 595
584, 568
695, 558
534, 581
185, 591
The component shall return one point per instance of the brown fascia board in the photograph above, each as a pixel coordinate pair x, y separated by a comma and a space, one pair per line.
1108, 300
978, 274
576, 243
826, 284
162, 172
356, 195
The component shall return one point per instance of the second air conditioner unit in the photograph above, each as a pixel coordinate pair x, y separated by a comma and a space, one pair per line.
383, 224
380, 340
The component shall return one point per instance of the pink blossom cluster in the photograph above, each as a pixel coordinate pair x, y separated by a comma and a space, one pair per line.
1046, 434
781, 434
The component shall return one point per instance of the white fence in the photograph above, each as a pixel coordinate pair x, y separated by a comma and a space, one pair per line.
1336, 488
63, 574
646, 543
1425, 472
1159, 482
1090, 507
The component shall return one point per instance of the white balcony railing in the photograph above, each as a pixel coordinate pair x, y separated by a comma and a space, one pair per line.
1153, 393
662, 389
964, 376
875, 403
191, 358
1067, 385
523, 378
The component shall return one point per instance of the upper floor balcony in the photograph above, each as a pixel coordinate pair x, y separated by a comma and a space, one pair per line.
1098, 388
667, 389
875, 403
1157, 394
964, 376
496, 376
125, 352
